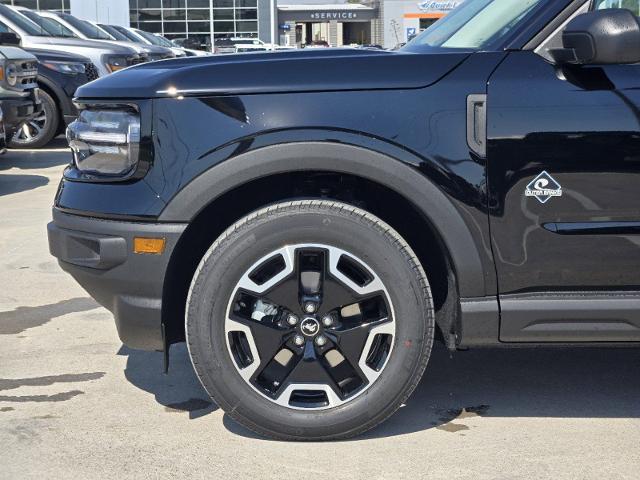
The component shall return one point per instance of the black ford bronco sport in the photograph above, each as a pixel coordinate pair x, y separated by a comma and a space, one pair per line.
311, 221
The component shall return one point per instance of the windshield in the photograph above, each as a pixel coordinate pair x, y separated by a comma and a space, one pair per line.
114, 33
126, 33
23, 23
154, 39
477, 24
54, 29
85, 28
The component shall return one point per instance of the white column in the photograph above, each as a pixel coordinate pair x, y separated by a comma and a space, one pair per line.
115, 12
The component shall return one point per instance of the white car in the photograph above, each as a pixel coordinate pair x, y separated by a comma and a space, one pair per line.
106, 58
147, 38
244, 44
88, 31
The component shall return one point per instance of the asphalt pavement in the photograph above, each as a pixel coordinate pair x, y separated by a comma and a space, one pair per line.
76, 403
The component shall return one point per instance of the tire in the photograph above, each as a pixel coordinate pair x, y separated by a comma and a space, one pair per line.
41, 129
276, 249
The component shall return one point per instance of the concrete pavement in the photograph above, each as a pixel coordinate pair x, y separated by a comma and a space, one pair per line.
75, 403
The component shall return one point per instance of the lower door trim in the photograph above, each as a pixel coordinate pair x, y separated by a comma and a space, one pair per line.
570, 317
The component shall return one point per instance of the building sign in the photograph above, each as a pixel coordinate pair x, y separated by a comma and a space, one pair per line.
333, 15
289, 13
434, 6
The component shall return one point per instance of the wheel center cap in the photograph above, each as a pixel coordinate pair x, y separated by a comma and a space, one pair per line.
309, 326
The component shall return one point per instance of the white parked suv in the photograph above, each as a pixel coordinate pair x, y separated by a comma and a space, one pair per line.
89, 31
147, 38
106, 58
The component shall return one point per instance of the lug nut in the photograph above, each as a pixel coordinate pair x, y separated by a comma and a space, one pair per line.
321, 340
292, 319
327, 320
298, 340
309, 307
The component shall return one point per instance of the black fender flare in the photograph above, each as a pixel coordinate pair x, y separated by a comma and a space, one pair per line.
405, 180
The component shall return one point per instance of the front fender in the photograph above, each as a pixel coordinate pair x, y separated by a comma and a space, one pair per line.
402, 177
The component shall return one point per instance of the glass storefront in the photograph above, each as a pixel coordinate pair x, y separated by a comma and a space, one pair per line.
194, 22
57, 5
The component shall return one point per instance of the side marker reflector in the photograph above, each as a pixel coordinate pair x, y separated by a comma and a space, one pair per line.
154, 246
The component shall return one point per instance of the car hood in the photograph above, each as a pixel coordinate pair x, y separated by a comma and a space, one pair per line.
52, 55
57, 43
15, 53
272, 72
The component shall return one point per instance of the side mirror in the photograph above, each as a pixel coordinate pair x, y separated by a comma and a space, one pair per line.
9, 38
609, 36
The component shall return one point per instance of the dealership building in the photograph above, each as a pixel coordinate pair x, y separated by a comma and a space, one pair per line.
382, 22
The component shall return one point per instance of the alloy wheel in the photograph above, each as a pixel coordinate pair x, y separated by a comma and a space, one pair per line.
32, 130
310, 326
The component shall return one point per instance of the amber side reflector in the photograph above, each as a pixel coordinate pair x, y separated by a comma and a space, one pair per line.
1, 73
148, 245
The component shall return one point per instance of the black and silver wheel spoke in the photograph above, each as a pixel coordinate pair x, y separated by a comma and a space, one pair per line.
310, 326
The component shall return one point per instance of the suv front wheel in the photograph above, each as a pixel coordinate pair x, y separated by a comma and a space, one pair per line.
310, 320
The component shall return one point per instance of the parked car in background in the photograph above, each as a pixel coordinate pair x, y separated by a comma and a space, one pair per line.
224, 46
59, 76
18, 86
245, 44
88, 31
191, 52
146, 38
106, 58
317, 44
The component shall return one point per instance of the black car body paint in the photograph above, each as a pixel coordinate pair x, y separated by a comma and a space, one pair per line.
399, 119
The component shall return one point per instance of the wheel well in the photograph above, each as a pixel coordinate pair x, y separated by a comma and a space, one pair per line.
388, 205
55, 98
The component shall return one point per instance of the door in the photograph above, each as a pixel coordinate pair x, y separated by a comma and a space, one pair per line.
564, 182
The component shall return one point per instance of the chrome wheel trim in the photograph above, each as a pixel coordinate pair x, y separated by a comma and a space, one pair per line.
288, 255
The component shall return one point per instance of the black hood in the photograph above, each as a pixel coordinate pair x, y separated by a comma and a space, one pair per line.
270, 72
51, 55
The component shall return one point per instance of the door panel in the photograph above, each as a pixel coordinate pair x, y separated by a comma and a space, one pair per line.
582, 126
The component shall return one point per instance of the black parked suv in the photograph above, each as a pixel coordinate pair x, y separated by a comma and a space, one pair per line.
59, 76
311, 221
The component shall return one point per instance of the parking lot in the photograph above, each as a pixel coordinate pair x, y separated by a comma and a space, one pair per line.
75, 403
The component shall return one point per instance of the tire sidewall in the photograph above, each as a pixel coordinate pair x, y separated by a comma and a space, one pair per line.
50, 126
229, 259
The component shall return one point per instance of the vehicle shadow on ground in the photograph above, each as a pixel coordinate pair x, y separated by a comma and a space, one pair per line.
40, 158
545, 383
10, 183
179, 390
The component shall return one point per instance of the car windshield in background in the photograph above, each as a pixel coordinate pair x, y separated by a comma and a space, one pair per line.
49, 26
23, 23
126, 33
115, 33
86, 28
152, 38
476, 24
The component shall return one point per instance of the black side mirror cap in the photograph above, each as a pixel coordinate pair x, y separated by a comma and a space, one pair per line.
9, 38
609, 36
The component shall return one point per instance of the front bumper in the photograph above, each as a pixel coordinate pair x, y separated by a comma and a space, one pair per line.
99, 255
18, 110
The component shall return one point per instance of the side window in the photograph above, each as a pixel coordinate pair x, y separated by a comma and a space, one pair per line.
633, 5
5, 29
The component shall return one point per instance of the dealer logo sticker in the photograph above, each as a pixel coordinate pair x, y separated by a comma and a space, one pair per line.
543, 187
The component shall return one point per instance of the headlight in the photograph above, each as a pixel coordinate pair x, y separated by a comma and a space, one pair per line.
65, 67
116, 62
11, 74
105, 142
